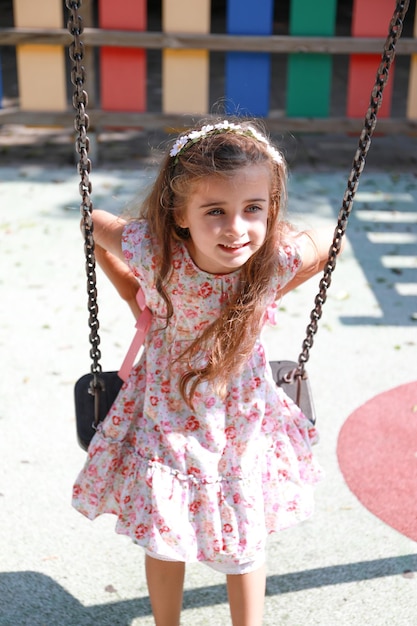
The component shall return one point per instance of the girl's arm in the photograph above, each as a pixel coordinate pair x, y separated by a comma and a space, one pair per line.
120, 275
108, 231
107, 234
314, 248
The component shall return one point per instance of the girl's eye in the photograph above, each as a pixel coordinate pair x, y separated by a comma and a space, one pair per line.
215, 212
254, 208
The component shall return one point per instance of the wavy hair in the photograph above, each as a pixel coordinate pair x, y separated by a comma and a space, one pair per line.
226, 344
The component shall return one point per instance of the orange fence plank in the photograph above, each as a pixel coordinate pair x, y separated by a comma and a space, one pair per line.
185, 73
123, 70
35, 64
370, 19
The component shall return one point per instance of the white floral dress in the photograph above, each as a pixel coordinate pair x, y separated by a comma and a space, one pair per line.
206, 484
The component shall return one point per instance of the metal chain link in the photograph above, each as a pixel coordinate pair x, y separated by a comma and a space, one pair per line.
82, 144
388, 55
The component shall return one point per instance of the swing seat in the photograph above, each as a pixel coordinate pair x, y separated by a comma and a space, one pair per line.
86, 417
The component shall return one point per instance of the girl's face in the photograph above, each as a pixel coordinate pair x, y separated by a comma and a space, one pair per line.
227, 218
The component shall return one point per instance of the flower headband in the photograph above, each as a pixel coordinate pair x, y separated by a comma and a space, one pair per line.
186, 141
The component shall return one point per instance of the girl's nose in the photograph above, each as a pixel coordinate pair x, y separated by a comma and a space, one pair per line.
235, 226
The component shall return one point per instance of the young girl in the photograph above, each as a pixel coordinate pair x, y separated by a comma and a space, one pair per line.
202, 456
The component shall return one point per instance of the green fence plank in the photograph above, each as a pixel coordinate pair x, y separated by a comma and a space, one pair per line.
309, 79
312, 18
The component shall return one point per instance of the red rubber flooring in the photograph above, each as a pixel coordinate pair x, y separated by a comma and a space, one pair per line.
377, 452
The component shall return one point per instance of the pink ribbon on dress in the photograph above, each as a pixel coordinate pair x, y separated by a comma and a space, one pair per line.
142, 326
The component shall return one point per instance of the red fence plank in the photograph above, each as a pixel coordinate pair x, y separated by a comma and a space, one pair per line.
123, 70
412, 81
371, 18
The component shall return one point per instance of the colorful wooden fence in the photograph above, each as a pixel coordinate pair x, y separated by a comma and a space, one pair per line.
185, 40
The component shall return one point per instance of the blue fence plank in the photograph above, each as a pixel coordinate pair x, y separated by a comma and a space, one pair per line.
248, 74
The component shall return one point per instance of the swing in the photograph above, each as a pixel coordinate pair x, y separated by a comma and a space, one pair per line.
95, 392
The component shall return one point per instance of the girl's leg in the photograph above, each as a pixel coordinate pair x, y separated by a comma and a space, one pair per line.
246, 597
165, 584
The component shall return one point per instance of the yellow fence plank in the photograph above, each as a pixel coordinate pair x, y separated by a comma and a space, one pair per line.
42, 84
185, 80
186, 16
40, 69
45, 14
185, 73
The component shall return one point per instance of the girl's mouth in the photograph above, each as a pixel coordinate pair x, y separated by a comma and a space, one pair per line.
233, 247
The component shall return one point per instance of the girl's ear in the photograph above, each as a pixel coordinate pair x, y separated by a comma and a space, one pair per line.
181, 227
181, 221
183, 233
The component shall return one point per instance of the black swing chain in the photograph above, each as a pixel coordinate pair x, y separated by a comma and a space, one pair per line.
82, 144
394, 33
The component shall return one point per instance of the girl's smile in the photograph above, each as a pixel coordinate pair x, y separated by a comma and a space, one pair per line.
227, 218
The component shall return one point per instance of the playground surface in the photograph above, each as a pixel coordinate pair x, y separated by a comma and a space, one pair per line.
355, 561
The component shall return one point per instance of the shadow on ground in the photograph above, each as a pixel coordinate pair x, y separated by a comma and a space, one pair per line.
33, 599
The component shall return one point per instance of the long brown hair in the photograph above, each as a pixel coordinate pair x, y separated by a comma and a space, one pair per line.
228, 342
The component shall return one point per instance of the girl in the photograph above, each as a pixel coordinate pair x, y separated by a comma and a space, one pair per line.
202, 455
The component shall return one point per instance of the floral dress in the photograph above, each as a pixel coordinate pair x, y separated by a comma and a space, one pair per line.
207, 483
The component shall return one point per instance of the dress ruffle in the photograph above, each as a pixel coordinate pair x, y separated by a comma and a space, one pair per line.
190, 517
